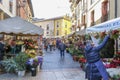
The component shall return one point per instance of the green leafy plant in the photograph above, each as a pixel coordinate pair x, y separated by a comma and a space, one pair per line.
9, 65
116, 77
21, 60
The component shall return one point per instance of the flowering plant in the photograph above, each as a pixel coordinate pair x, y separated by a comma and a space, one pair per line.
34, 62
115, 34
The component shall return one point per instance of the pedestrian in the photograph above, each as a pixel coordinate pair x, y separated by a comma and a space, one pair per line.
50, 44
2, 49
46, 44
62, 48
95, 70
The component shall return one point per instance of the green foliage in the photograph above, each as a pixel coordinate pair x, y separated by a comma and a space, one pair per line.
108, 50
116, 77
21, 59
87, 37
9, 65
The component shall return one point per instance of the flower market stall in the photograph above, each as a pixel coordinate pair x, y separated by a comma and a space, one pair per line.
21, 54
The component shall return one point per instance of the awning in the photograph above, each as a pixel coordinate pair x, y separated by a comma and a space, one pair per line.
81, 32
106, 26
17, 25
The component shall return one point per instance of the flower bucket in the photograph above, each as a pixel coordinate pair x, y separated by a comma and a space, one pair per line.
21, 73
33, 71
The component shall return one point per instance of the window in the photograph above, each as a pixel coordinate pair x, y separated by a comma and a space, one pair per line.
57, 32
65, 32
92, 18
57, 24
11, 5
66, 25
47, 26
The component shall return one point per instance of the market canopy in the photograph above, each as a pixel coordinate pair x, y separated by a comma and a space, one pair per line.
17, 25
106, 26
81, 32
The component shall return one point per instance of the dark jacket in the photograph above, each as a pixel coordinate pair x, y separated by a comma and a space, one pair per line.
95, 66
62, 46
2, 49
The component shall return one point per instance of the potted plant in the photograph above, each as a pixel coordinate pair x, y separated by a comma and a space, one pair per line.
21, 60
9, 65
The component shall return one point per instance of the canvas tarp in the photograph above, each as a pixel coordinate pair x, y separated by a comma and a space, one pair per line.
17, 25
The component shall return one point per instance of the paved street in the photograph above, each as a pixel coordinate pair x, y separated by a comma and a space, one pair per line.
54, 68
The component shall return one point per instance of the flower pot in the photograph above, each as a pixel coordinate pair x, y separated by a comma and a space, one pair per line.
33, 71
21, 73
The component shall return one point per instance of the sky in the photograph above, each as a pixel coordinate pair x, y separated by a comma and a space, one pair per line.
50, 8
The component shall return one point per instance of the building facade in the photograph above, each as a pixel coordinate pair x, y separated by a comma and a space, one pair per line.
62, 26
11, 8
55, 27
7, 9
47, 25
87, 13
25, 9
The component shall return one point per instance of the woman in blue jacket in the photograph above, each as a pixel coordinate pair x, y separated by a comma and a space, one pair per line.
95, 70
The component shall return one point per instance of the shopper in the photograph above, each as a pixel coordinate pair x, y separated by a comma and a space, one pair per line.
95, 70
62, 48
2, 49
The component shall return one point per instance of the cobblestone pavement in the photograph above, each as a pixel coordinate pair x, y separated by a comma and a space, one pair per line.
54, 68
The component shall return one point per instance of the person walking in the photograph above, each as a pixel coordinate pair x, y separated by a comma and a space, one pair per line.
62, 48
95, 69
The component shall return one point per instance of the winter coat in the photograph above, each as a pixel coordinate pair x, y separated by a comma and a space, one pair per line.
95, 70
1, 50
62, 46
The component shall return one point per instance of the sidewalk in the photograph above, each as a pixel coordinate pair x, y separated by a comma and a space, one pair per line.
54, 68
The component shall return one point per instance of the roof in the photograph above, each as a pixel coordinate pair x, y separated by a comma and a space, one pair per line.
55, 18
